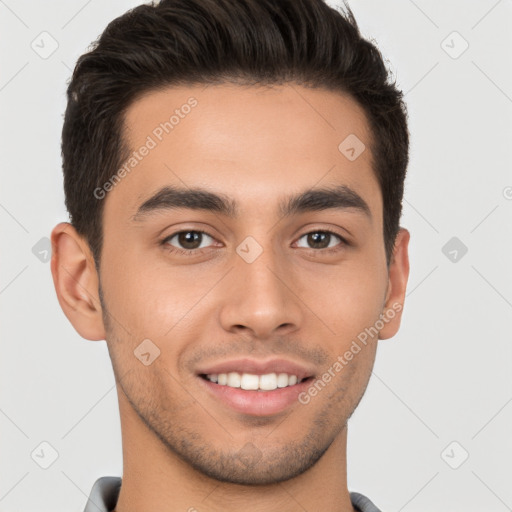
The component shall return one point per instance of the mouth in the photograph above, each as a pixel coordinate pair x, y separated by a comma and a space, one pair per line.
254, 382
255, 388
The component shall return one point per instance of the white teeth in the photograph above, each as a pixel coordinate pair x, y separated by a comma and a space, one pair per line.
282, 380
250, 381
268, 382
234, 380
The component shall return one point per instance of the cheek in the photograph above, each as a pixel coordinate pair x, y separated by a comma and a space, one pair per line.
154, 300
345, 300
149, 298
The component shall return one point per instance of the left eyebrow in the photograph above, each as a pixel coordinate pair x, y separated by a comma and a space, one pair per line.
317, 199
340, 197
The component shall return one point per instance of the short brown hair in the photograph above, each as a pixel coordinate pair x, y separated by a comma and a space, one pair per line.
255, 42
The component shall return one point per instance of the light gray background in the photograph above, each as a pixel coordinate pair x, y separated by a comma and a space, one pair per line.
445, 377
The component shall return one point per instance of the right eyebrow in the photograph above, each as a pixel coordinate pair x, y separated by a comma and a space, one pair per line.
169, 198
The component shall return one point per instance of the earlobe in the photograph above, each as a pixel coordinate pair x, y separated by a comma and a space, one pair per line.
397, 285
76, 281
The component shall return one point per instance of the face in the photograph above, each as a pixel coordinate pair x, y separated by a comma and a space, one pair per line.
223, 314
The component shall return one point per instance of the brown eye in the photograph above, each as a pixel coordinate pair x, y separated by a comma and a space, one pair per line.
322, 239
188, 240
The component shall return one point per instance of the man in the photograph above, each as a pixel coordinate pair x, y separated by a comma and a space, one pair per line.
234, 174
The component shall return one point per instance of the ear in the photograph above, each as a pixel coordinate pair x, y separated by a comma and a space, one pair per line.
76, 281
397, 284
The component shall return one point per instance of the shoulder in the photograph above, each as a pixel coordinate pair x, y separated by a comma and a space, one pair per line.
362, 503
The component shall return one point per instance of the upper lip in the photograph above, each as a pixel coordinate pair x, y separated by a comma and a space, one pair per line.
257, 367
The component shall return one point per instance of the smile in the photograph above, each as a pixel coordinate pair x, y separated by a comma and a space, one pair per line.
251, 381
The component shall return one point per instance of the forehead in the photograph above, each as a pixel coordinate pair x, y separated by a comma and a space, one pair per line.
253, 143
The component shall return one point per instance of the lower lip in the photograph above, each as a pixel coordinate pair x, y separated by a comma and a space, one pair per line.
257, 403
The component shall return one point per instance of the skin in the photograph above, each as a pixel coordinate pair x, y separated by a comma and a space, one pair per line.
181, 445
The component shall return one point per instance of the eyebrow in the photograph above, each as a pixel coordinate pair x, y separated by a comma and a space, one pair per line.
340, 197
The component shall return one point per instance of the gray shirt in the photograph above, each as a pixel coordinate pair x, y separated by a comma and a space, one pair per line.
105, 491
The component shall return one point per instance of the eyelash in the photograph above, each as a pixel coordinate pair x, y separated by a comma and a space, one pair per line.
193, 252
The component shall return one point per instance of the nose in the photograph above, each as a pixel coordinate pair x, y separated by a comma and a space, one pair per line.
260, 300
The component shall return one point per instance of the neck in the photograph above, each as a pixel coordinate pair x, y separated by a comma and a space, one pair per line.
154, 478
